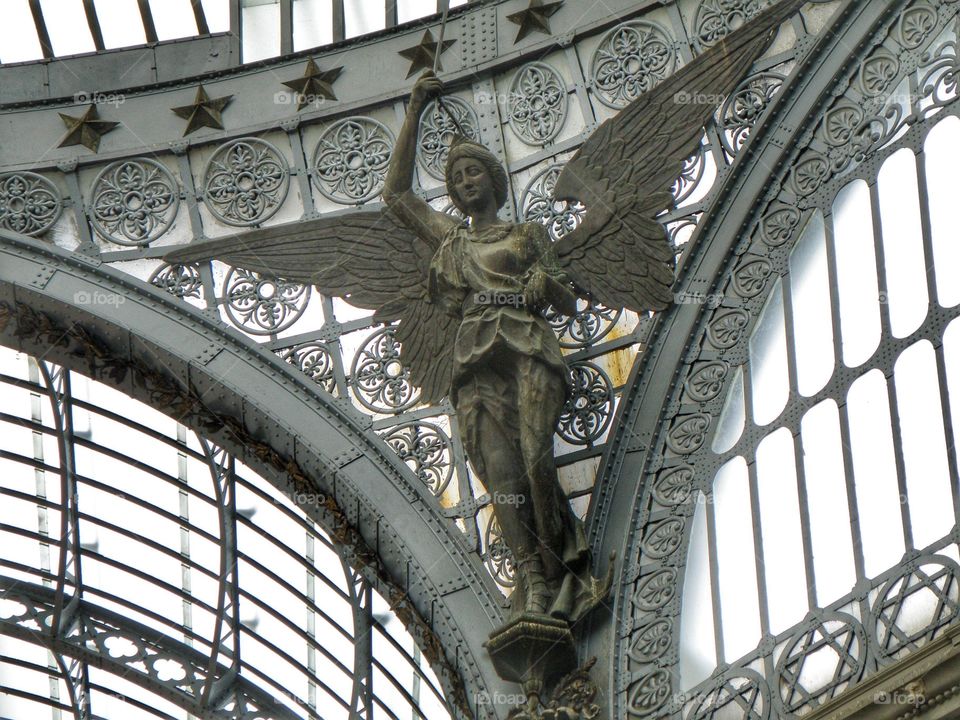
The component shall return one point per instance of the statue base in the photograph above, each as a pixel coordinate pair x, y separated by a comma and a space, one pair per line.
532, 650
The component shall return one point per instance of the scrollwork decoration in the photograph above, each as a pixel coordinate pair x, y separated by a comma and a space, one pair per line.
630, 60
427, 449
246, 181
29, 203
134, 201
538, 103
589, 409
380, 381
437, 132
315, 360
182, 281
537, 204
261, 305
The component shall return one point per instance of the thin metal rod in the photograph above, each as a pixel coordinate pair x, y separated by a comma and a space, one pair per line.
436, 65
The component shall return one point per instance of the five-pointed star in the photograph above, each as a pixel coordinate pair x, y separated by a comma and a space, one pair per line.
534, 18
86, 130
422, 55
315, 84
204, 112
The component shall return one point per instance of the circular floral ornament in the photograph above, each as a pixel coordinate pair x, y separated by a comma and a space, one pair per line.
437, 132
351, 159
134, 201
715, 19
182, 281
630, 60
380, 381
427, 450
538, 103
589, 409
29, 203
245, 181
537, 204
263, 306
314, 360
592, 322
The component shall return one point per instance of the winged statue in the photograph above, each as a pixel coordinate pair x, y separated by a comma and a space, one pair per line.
468, 296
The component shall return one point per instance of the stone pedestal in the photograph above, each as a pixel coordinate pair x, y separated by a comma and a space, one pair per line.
533, 651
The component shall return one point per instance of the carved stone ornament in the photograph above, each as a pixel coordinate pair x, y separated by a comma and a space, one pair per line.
538, 103
631, 59
351, 159
29, 203
133, 202
245, 181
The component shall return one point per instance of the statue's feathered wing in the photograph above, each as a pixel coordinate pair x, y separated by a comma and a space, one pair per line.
620, 254
367, 258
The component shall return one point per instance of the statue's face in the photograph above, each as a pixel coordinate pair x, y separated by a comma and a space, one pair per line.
472, 185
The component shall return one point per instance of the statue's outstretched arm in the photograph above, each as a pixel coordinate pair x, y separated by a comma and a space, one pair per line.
413, 211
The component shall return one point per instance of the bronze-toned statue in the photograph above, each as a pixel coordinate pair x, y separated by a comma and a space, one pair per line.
468, 295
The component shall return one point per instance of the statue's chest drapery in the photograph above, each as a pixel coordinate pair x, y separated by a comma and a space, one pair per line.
495, 259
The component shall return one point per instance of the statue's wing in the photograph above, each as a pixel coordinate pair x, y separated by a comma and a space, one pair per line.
367, 258
623, 172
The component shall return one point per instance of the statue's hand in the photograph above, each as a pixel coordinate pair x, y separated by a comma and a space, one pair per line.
535, 291
426, 88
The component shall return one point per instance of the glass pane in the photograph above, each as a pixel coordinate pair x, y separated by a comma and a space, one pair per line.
781, 531
173, 19
736, 560
904, 265
18, 34
875, 473
924, 452
363, 16
261, 31
769, 384
730, 425
951, 361
856, 273
312, 23
698, 653
67, 26
941, 159
812, 316
217, 13
120, 23
826, 486
412, 9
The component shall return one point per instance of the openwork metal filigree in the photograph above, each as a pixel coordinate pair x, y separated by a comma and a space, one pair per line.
743, 694
29, 203
591, 323
315, 360
427, 450
351, 159
631, 59
263, 306
380, 381
498, 558
183, 281
744, 108
717, 18
690, 176
437, 131
246, 181
589, 408
538, 103
537, 205
134, 201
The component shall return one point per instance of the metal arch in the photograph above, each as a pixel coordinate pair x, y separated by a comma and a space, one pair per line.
619, 519
96, 625
353, 469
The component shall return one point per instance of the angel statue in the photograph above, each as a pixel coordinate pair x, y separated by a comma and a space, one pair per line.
469, 296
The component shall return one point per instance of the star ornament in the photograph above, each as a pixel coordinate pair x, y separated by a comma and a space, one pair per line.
204, 112
535, 18
422, 56
86, 130
315, 86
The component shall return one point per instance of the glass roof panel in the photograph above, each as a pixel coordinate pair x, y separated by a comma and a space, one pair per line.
173, 19
311, 23
217, 13
120, 23
363, 16
67, 25
18, 34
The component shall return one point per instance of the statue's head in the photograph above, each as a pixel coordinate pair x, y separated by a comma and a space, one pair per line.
463, 155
